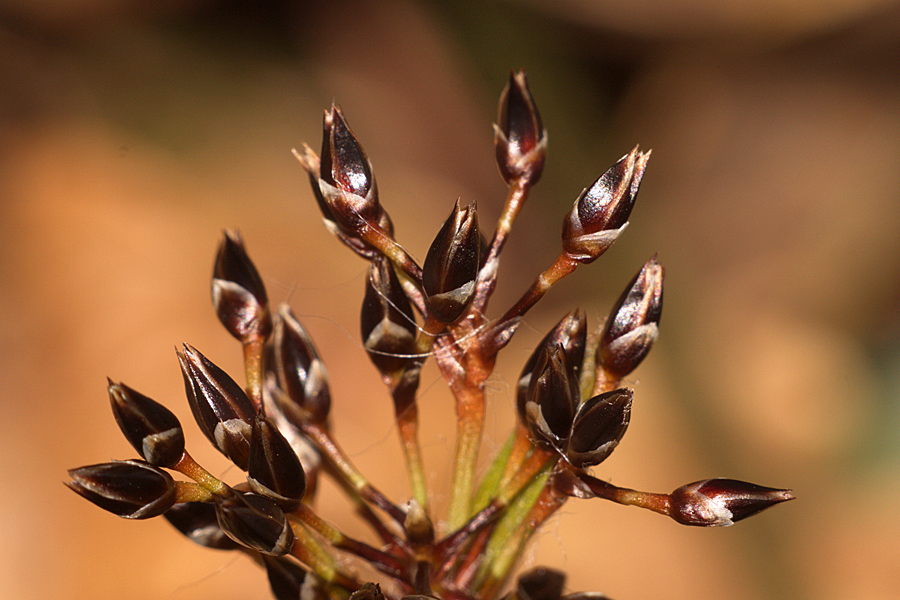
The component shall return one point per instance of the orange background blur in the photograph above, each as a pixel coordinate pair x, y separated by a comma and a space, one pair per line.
132, 133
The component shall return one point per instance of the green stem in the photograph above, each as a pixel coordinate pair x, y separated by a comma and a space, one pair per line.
188, 467
524, 517
470, 415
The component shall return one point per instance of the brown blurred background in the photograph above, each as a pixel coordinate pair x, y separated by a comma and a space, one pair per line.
132, 133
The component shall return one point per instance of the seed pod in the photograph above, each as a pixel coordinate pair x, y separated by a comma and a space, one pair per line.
221, 408
599, 424
255, 522
238, 293
286, 578
520, 139
451, 265
540, 583
346, 182
571, 334
197, 521
633, 323
387, 321
722, 502
274, 471
150, 427
131, 489
601, 212
299, 372
551, 398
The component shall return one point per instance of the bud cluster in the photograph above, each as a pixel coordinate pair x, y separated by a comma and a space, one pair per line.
572, 397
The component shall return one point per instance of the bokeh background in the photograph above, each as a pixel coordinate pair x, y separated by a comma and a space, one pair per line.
132, 133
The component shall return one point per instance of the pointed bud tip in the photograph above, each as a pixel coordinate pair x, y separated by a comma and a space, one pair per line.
723, 502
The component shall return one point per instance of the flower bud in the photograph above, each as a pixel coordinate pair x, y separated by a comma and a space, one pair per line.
299, 372
599, 424
312, 164
520, 140
601, 212
571, 334
150, 427
387, 321
131, 489
551, 398
633, 323
722, 502
274, 471
287, 579
451, 265
255, 522
346, 182
221, 408
238, 293
197, 521
540, 583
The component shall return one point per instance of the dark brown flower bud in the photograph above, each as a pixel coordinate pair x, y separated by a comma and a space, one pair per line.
722, 502
601, 212
312, 164
197, 521
551, 398
150, 427
346, 182
451, 266
520, 140
368, 591
633, 323
387, 321
571, 334
286, 578
238, 293
299, 372
255, 522
540, 583
599, 424
221, 408
131, 489
274, 469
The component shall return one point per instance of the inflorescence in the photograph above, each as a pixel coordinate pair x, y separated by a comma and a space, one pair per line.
572, 411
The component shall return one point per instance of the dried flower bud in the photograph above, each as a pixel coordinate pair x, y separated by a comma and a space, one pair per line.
150, 427
551, 398
197, 521
311, 163
601, 212
599, 424
238, 293
255, 522
633, 323
540, 583
131, 489
722, 502
346, 182
520, 140
221, 408
299, 371
274, 471
387, 321
571, 334
286, 578
451, 266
